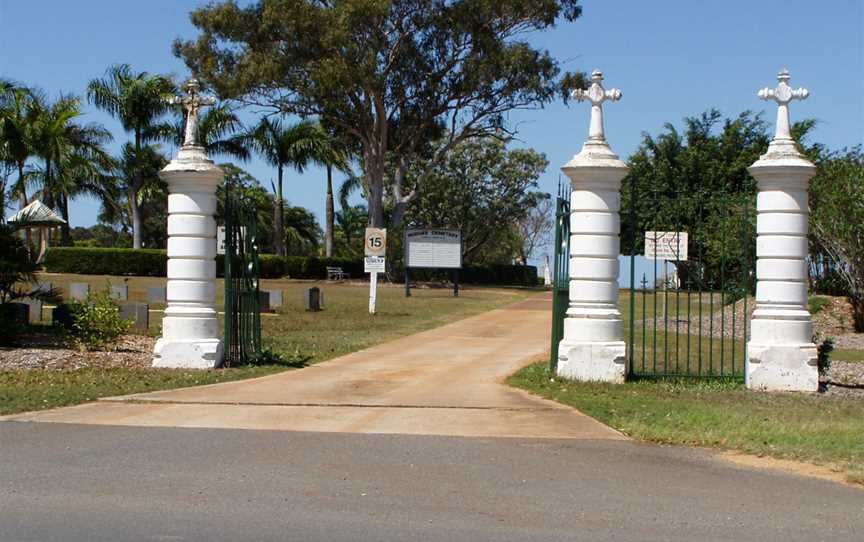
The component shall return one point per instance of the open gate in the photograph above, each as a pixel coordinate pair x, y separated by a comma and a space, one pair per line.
560, 269
689, 306
242, 276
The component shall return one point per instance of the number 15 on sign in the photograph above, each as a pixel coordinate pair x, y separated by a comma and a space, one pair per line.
375, 248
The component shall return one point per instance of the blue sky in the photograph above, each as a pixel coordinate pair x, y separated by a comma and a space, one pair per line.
671, 59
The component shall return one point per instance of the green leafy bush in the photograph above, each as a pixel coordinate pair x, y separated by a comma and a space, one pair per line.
95, 321
823, 355
106, 261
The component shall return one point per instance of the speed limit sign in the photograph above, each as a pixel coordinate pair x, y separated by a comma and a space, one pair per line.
375, 242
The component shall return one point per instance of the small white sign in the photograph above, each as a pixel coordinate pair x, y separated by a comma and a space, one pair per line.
666, 245
434, 248
374, 264
220, 238
375, 243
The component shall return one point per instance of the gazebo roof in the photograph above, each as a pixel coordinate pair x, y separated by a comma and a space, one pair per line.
37, 214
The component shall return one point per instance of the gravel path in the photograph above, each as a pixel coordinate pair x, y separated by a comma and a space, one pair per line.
49, 351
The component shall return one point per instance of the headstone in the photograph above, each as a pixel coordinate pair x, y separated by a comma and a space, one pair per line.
264, 301
139, 313
312, 299
35, 309
60, 316
79, 290
275, 298
156, 295
44, 287
17, 312
120, 292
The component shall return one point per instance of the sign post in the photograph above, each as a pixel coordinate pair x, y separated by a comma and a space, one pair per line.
433, 249
375, 249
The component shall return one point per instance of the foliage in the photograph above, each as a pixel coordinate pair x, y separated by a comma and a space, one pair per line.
484, 190
815, 304
302, 232
18, 269
252, 193
220, 132
823, 356
350, 226
837, 221
387, 75
138, 101
696, 180
106, 261
96, 321
100, 236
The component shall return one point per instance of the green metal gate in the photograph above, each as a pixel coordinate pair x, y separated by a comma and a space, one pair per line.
688, 314
242, 309
560, 269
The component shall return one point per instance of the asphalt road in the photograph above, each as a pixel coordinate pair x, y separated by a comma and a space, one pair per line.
63, 482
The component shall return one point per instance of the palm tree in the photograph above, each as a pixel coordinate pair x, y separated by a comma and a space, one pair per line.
138, 101
220, 132
74, 159
330, 153
19, 108
295, 145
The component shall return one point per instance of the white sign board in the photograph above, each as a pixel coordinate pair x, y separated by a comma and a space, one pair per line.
374, 264
434, 248
220, 238
666, 245
375, 243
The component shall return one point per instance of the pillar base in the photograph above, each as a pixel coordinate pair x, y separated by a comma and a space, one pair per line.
189, 354
782, 367
593, 361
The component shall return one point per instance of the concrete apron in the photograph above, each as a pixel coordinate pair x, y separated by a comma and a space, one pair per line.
445, 381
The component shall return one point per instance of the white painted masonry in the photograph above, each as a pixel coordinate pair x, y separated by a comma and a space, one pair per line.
190, 329
781, 355
593, 347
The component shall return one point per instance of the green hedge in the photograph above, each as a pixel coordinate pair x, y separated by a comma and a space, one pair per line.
152, 263
106, 261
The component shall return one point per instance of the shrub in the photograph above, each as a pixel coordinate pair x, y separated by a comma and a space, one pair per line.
95, 321
823, 355
106, 261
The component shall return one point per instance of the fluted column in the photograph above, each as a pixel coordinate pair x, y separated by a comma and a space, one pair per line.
593, 347
190, 328
780, 354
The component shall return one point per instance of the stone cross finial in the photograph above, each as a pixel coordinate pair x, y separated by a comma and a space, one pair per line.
596, 94
783, 94
192, 102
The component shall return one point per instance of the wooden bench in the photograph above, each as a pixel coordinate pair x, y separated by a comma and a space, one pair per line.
336, 273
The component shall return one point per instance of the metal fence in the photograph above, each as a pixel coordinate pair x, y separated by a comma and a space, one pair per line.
560, 269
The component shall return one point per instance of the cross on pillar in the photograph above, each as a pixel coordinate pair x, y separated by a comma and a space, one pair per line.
192, 103
596, 94
783, 94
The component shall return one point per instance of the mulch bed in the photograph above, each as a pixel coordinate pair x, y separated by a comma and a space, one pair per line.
44, 350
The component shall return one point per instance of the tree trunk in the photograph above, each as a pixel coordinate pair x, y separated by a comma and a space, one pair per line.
133, 196
135, 209
22, 199
65, 230
399, 211
279, 218
328, 227
857, 301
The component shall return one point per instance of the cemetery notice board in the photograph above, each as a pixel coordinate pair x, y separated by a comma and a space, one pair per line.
666, 245
433, 249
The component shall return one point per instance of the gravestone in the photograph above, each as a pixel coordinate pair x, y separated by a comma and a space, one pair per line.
44, 287
120, 292
275, 298
35, 309
156, 295
17, 312
264, 301
60, 316
139, 313
79, 290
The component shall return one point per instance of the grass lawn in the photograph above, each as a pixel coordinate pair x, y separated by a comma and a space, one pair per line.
343, 326
719, 414
36, 389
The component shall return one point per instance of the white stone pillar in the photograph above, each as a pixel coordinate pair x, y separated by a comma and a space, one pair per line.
190, 329
781, 355
593, 347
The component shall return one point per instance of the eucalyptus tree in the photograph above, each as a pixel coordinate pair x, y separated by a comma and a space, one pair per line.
296, 146
139, 101
389, 75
